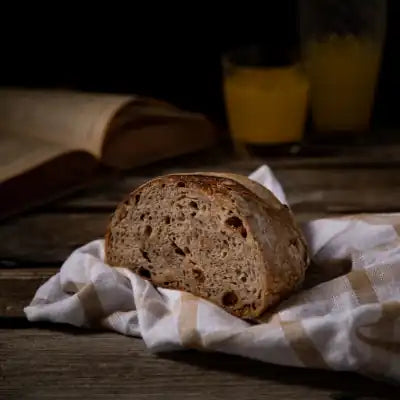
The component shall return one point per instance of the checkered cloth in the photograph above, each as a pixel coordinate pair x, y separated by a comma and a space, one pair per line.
348, 322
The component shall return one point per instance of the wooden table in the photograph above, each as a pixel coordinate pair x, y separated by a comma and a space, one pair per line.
43, 361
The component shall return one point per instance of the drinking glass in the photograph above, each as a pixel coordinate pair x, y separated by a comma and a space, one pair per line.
341, 44
265, 98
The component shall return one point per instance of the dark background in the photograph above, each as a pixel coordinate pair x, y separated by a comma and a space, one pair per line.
169, 54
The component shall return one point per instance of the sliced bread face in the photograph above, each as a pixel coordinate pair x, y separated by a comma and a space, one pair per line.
220, 237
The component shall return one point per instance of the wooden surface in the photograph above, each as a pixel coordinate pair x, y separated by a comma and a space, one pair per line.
39, 361
55, 363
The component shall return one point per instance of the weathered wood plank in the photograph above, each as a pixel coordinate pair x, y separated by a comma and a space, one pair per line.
17, 288
346, 161
49, 237
305, 155
60, 362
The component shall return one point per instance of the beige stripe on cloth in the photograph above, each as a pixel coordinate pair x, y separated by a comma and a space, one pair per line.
303, 346
379, 362
187, 323
91, 304
362, 287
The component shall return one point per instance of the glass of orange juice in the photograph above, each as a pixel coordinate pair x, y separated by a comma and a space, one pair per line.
341, 46
265, 100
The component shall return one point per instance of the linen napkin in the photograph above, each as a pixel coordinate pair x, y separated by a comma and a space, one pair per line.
349, 322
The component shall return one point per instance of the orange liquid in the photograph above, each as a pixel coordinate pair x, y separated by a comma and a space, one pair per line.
342, 72
266, 105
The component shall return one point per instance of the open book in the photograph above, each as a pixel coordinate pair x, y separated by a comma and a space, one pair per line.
52, 141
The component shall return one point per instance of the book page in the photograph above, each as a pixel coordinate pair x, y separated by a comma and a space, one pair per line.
18, 155
75, 120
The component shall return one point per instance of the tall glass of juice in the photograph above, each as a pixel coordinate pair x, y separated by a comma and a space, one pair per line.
342, 46
265, 98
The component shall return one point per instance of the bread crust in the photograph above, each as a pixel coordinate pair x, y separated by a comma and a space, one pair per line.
276, 234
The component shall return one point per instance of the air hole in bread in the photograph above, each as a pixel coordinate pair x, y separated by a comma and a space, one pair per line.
137, 199
167, 219
198, 274
144, 272
147, 230
142, 217
178, 250
193, 213
145, 255
234, 222
180, 184
186, 250
203, 207
229, 299
163, 185
293, 242
224, 253
194, 205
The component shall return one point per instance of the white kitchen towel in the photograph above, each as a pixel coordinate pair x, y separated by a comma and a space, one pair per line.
349, 322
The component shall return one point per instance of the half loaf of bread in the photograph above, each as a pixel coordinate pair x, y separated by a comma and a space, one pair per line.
221, 237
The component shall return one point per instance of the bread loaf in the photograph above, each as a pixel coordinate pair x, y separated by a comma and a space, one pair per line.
221, 237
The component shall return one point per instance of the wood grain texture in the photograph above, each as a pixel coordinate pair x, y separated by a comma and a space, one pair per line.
64, 363
18, 286
43, 237
297, 156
